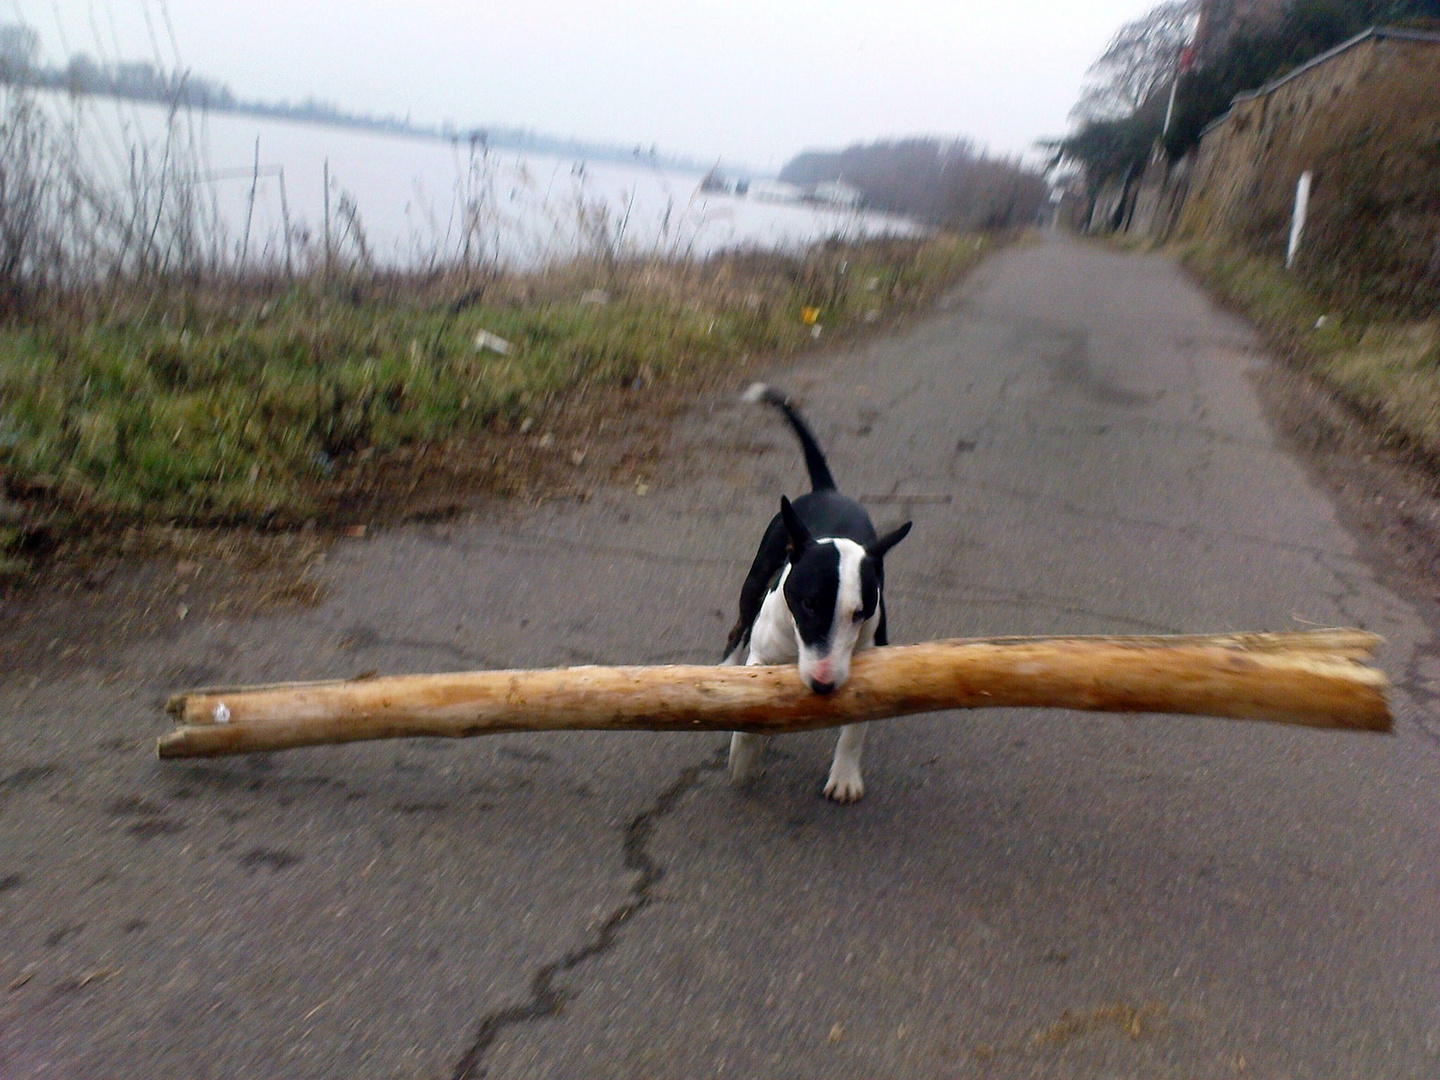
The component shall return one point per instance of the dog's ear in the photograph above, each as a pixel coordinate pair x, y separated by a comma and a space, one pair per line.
878, 549
800, 537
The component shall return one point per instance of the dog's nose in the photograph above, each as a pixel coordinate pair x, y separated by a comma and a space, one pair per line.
822, 687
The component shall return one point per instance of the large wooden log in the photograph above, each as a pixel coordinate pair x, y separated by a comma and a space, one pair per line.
1316, 679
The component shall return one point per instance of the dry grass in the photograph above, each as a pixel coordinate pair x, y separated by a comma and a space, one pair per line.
1389, 367
246, 404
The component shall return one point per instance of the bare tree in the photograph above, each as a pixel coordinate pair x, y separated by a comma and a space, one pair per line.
950, 182
1142, 60
19, 50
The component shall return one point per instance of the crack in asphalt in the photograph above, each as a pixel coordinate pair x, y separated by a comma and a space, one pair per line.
529, 543
547, 998
1348, 592
473, 657
1050, 501
1414, 685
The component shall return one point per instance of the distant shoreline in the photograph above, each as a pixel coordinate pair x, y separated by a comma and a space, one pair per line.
209, 97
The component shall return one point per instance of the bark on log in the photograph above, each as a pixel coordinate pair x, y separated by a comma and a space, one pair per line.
1316, 679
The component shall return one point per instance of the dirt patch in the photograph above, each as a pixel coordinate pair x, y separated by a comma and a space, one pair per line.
602, 436
1387, 493
127, 582
1129, 1020
145, 583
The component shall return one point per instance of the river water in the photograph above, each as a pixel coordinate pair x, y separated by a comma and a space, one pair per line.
410, 201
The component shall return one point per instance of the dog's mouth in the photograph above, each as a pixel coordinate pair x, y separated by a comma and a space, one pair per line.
822, 687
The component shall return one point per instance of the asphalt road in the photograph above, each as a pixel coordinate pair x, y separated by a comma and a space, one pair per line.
1020, 894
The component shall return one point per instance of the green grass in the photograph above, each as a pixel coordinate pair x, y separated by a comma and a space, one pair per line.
1390, 367
199, 406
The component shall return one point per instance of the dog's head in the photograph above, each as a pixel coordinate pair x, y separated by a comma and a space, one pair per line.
832, 591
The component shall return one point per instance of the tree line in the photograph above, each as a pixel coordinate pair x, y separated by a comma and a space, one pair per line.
946, 182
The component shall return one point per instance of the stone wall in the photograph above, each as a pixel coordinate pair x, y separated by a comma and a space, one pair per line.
1148, 205
1237, 149
1364, 119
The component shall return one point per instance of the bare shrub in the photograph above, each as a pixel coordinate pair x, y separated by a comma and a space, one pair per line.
77, 211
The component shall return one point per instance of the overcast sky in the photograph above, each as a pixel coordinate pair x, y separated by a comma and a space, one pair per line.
750, 81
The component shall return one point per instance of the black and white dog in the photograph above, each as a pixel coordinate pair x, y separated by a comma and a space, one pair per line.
814, 595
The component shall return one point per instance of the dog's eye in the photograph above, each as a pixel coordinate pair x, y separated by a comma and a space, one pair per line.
860, 616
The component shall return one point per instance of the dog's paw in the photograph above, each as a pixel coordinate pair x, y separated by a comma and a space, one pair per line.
845, 786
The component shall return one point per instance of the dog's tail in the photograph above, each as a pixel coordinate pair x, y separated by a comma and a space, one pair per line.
820, 478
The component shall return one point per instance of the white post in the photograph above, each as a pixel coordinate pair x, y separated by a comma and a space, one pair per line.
1297, 221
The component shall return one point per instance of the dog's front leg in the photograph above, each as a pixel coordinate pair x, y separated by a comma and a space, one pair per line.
745, 753
745, 749
845, 785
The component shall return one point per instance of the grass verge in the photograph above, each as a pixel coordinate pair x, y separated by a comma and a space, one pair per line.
1387, 368
252, 404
